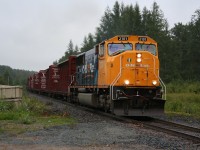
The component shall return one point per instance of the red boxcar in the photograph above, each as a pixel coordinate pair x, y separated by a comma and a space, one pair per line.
42, 80
36, 81
66, 70
55, 80
53, 77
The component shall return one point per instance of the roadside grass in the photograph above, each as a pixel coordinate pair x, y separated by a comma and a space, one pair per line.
30, 115
56, 120
183, 99
182, 86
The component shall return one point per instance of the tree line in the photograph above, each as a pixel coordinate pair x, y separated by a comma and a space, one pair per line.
179, 47
9, 76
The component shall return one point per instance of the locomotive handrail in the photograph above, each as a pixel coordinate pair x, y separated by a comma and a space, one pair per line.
116, 79
162, 83
72, 78
163, 87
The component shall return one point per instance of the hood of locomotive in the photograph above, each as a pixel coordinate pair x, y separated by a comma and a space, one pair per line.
125, 70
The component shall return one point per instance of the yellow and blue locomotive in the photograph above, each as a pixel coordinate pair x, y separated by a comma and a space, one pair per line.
120, 75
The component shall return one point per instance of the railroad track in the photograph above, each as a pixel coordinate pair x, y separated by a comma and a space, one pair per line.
179, 130
186, 132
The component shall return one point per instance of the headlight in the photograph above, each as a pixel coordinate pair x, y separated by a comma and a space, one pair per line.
126, 82
139, 59
154, 82
139, 55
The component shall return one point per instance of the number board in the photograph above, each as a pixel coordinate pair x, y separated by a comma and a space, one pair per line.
123, 38
143, 39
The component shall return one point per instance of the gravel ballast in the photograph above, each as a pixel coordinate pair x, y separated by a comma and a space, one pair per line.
92, 132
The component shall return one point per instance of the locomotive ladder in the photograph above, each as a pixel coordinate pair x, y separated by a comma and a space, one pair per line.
116, 79
164, 88
162, 83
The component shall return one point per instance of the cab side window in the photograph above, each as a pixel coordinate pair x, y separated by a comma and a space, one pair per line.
101, 50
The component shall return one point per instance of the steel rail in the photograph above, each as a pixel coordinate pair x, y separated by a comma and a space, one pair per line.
193, 138
185, 127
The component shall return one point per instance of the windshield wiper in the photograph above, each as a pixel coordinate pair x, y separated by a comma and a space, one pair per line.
118, 52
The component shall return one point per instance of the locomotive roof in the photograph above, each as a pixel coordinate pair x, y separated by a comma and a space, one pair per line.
131, 38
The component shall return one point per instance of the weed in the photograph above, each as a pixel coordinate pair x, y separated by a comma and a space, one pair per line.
186, 103
32, 105
9, 115
28, 116
55, 120
6, 106
183, 87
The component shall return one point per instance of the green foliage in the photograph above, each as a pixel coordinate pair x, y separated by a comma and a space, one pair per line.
88, 43
186, 43
25, 113
184, 103
27, 118
30, 111
56, 120
129, 20
181, 86
71, 50
9, 76
183, 97
9, 115
32, 105
31, 115
6, 106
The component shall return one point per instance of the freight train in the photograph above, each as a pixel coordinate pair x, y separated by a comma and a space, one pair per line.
119, 75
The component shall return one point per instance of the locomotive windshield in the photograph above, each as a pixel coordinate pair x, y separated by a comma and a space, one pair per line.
116, 48
146, 47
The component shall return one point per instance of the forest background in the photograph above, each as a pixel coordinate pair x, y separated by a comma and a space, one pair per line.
179, 46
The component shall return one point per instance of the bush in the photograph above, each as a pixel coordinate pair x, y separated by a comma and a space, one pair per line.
26, 118
32, 105
25, 113
9, 115
6, 106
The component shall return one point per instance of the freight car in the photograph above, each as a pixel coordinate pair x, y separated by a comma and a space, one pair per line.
55, 80
119, 75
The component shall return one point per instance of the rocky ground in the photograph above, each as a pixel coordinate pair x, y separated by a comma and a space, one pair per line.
92, 132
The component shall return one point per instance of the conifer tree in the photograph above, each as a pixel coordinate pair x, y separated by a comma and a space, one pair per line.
68, 52
84, 45
76, 50
70, 48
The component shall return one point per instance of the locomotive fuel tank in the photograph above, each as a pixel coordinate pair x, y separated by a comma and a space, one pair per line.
87, 99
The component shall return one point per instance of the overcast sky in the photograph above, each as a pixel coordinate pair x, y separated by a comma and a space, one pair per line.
34, 33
